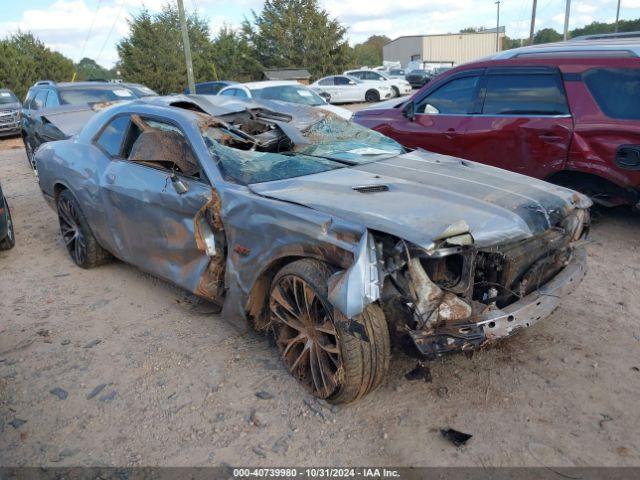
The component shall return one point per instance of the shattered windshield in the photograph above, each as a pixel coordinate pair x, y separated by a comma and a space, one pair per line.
344, 140
289, 93
249, 151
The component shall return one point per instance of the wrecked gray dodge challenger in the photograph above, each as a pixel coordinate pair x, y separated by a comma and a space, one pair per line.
329, 235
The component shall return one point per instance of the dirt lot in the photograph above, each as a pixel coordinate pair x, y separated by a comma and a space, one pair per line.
179, 384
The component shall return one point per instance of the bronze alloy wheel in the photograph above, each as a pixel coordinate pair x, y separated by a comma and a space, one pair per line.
305, 335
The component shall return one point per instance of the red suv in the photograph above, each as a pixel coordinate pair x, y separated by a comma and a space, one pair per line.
567, 112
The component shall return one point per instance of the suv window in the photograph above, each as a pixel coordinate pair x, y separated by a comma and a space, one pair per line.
52, 100
359, 75
111, 137
39, 100
537, 94
373, 76
326, 81
78, 95
454, 97
616, 91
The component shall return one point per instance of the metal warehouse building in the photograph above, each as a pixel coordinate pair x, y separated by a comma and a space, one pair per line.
450, 48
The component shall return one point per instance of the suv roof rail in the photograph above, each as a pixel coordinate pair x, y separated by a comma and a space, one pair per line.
606, 36
44, 82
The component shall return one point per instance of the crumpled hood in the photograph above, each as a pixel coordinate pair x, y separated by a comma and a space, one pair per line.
429, 192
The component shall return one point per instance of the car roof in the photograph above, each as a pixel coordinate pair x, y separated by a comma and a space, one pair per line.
270, 83
608, 46
217, 82
73, 85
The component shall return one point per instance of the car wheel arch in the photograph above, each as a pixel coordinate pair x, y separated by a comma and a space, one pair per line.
257, 303
575, 179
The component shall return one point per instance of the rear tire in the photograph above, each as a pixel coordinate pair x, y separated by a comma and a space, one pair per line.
9, 240
314, 341
83, 247
372, 96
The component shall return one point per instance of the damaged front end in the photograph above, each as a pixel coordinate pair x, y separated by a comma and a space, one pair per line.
456, 297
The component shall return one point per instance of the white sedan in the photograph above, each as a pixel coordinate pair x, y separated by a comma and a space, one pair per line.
345, 89
399, 85
285, 91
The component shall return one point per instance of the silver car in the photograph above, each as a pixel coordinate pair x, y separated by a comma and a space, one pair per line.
330, 236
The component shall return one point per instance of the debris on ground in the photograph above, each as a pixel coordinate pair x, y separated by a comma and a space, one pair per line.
96, 391
108, 398
420, 372
262, 395
605, 418
17, 423
92, 343
257, 419
61, 393
260, 452
455, 437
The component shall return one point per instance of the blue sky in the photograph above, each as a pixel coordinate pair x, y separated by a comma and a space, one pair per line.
92, 28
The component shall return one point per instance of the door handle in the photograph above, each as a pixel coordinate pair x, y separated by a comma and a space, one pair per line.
450, 133
110, 177
550, 138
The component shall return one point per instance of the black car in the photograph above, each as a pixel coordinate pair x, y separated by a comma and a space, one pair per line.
418, 78
46, 98
9, 113
7, 237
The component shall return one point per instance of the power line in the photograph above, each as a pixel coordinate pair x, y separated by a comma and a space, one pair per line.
115, 20
93, 21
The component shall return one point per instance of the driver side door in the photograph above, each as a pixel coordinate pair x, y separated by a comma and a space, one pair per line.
441, 117
149, 213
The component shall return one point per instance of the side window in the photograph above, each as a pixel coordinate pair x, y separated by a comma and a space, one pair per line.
241, 93
359, 75
52, 100
616, 91
204, 89
326, 81
229, 93
111, 137
39, 100
160, 145
374, 76
342, 81
454, 97
524, 94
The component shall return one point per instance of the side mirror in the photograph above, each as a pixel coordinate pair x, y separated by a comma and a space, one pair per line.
181, 187
409, 110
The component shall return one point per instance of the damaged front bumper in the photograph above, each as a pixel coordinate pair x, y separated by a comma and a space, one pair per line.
504, 322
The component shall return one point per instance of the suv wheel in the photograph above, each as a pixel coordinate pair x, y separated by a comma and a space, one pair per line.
313, 340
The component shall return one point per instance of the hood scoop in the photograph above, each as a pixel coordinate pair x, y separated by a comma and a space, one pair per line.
371, 188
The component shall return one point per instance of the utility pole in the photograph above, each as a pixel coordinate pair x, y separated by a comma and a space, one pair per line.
533, 21
187, 47
617, 16
566, 19
498, 28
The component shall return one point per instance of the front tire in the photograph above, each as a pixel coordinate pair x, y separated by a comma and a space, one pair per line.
29, 151
372, 96
314, 340
396, 91
83, 247
9, 240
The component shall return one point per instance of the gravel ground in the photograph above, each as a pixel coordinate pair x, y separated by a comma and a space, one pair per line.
114, 367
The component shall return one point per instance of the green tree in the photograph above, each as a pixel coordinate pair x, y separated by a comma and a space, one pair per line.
24, 60
88, 69
369, 52
298, 33
547, 35
152, 54
233, 59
